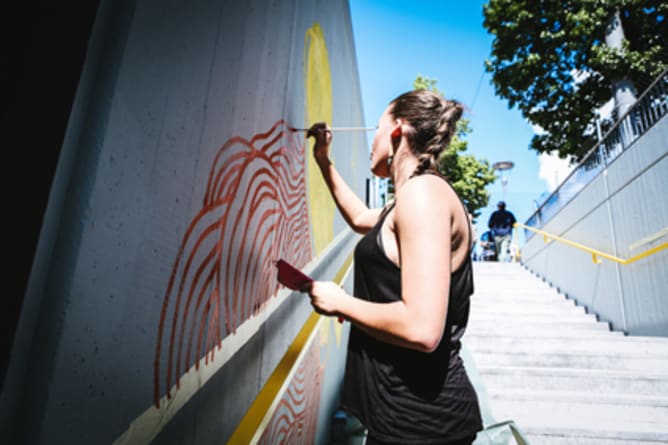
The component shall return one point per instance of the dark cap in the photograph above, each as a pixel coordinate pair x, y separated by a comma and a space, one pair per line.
501, 204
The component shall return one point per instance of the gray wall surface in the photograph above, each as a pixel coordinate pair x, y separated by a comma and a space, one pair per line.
173, 97
622, 212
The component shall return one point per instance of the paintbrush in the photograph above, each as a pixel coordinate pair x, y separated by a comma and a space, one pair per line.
340, 129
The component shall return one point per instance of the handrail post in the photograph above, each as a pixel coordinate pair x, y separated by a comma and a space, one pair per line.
613, 239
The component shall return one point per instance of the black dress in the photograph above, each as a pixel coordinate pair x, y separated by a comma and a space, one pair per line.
402, 395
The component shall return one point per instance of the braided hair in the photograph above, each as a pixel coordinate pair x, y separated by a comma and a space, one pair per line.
433, 122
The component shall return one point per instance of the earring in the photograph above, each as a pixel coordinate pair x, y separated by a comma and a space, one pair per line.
396, 133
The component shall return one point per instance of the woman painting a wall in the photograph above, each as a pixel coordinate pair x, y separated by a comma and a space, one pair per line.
413, 279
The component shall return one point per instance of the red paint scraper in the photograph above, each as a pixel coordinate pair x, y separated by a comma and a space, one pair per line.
293, 278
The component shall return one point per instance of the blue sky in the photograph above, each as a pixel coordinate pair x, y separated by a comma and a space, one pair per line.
445, 40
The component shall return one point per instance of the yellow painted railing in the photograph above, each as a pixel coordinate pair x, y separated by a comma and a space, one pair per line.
595, 254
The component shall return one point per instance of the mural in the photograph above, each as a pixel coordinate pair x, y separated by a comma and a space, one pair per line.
295, 419
224, 272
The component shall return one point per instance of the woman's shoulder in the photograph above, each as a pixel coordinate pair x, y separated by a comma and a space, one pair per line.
429, 194
429, 186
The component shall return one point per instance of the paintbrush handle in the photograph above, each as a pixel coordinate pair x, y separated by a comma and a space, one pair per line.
352, 128
341, 129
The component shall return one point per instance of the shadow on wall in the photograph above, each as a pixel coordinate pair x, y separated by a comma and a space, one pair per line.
254, 211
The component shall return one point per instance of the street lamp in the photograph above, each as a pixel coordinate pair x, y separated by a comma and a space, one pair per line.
503, 166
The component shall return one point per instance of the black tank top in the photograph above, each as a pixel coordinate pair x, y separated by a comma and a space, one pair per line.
400, 394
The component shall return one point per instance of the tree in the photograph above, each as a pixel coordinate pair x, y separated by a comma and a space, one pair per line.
549, 58
469, 176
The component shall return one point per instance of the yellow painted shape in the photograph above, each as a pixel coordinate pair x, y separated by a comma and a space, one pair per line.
318, 84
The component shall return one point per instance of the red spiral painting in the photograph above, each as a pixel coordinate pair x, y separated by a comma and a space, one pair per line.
253, 212
295, 419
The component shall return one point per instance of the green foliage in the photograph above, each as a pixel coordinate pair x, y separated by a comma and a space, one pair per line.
540, 48
425, 83
469, 176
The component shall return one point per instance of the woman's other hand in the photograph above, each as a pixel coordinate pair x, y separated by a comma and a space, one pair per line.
326, 296
323, 138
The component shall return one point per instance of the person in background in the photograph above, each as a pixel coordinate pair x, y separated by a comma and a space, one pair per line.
487, 246
501, 224
404, 378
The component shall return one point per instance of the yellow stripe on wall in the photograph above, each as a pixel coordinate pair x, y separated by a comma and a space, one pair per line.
258, 415
250, 428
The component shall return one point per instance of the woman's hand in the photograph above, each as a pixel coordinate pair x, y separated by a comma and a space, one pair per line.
323, 139
326, 296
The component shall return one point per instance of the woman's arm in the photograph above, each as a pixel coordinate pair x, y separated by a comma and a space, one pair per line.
358, 216
423, 221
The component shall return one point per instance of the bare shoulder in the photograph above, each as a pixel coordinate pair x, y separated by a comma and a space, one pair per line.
426, 195
426, 187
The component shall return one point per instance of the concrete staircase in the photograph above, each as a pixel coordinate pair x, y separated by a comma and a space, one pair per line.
561, 375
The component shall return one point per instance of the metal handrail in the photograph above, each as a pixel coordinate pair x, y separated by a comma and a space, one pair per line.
595, 254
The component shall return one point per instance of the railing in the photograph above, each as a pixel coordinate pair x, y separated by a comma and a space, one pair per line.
650, 107
595, 254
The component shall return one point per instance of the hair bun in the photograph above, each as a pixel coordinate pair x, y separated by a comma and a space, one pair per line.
433, 120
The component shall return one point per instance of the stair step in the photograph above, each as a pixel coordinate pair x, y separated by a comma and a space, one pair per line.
524, 291
546, 323
481, 305
591, 436
569, 413
540, 331
571, 379
616, 344
518, 287
509, 310
588, 360
523, 301
629, 399
549, 319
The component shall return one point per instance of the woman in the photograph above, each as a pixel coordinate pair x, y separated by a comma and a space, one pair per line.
413, 278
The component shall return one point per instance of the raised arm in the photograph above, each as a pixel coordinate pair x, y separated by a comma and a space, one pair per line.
354, 211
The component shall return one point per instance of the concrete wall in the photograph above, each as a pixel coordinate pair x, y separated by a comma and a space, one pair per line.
622, 212
152, 310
